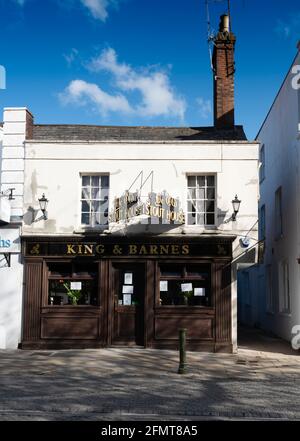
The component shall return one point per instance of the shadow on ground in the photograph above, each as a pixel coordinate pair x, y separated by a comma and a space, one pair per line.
110, 383
255, 339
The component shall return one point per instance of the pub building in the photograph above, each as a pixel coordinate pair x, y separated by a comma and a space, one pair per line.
129, 233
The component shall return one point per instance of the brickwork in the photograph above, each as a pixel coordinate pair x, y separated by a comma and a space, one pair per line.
224, 67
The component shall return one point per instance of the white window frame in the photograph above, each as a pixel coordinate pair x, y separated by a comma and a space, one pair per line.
278, 214
262, 223
262, 163
93, 224
270, 304
284, 287
246, 286
205, 175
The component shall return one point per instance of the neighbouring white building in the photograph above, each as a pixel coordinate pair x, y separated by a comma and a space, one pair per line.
12, 148
270, 293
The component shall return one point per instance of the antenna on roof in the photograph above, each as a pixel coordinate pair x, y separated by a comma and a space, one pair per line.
229, 14
210, 34
210, 31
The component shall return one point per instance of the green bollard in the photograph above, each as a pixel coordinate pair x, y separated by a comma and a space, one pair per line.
182, 351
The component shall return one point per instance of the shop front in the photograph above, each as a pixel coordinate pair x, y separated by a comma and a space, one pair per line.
91, 292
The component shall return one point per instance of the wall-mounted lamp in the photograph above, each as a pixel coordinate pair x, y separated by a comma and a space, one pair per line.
43, 201
236, 206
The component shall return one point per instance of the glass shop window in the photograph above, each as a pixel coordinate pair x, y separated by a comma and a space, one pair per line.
72, 283
129, 288
186, 285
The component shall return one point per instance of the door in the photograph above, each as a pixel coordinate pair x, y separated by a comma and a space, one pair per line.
129, 290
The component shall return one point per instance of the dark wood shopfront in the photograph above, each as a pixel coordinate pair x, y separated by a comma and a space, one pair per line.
93, 292
128, 319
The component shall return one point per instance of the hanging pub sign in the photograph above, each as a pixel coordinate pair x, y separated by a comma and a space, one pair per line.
157, 208
10, 240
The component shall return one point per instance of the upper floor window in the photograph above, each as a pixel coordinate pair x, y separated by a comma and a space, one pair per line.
262, 163
284, 287
278, 213
269, 289
201, 200
262, 223
94, 200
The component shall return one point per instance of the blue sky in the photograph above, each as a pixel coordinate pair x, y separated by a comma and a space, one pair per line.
140, 62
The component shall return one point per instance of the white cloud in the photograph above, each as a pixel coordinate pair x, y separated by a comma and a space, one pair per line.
98, 8
205, 107
80, 92
107, 60
283, 29
290, 27
158, 97
71, 56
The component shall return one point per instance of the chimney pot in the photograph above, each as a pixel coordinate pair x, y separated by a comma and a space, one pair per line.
224, 23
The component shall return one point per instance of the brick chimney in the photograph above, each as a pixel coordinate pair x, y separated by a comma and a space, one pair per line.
223, 65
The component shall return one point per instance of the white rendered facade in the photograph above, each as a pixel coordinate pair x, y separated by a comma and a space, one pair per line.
55, 168
273, 300
13, 133
34, 167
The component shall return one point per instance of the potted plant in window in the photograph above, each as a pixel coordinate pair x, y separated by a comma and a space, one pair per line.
73, 294
186, 296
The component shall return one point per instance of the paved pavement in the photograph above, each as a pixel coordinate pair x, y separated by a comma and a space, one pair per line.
262, 381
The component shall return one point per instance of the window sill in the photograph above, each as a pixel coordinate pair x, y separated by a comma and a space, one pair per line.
87, 229
57, 309
203, 227
205, 308
285, 314
279, 237
70, 306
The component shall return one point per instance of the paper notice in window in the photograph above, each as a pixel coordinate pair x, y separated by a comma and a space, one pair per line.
128, 278
76, 286
127, 299
185, 287
163, 285
127, 289
199, 292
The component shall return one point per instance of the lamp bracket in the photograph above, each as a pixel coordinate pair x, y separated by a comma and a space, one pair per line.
8, 193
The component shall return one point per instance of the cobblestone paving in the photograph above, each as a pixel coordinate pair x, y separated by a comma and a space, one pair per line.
137, 384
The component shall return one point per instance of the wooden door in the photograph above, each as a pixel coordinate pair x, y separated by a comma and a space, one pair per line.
129, 294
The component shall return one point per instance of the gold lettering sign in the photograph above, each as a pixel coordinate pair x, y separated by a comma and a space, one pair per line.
70, 249
100, 249
132, 249
35, 250
158, 205
118, 250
